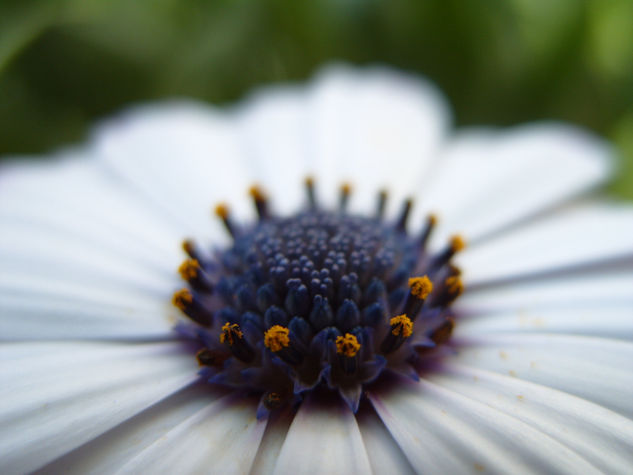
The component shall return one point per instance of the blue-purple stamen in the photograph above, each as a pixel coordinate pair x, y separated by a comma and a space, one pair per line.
346, 190
260, 202
309, 183
401, 224
222, 211
320, 299
381, 204
191, 305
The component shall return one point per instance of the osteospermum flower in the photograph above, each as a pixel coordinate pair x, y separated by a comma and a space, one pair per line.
319, 324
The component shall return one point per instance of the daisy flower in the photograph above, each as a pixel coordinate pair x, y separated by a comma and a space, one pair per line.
392, 297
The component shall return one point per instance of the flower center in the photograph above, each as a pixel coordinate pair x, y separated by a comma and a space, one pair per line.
319, 299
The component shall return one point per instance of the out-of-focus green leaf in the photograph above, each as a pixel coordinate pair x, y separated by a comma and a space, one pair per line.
20, 27
623, 136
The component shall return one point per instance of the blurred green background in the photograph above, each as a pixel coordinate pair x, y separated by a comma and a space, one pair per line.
65, 64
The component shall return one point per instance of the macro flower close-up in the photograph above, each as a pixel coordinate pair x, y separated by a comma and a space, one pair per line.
325, 277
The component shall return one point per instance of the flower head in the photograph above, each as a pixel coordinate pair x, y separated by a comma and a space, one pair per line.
319, 289
340, 326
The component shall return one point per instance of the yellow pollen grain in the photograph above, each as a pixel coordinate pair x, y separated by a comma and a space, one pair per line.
189, 269
276, 338
230, 331
401, 326
222, 210
347, 345
458, 243
182, 299
421, 287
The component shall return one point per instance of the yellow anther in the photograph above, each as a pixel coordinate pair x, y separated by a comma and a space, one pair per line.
222, 211
458, 243
230, 332
432, 218
401, 326
276, 338
309, 181
188, 246
189, 269
273, 397
454, 270
421, 287
347, 345
454, 285
443, 332
272, 400
346, 188
182, 299
256, 193
207, 357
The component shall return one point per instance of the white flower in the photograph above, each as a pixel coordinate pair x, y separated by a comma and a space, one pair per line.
93, 377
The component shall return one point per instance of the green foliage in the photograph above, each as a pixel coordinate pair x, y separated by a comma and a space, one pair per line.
64, 64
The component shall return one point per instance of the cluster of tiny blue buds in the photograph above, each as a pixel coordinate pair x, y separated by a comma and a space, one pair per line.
320, 300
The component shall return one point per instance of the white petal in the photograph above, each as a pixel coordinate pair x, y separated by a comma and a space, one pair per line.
27, 233
36, 308
612, 322
603, 437
584, 235
323, 439
223, 437
385, 455
274, 139
71, 195
57, 396
486, 181
60, 260
375, 129
272, 442
184, 158
81, 256
441, 431
112, 450
569, 291
25, 250
595, 369
416, 437
594, 304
